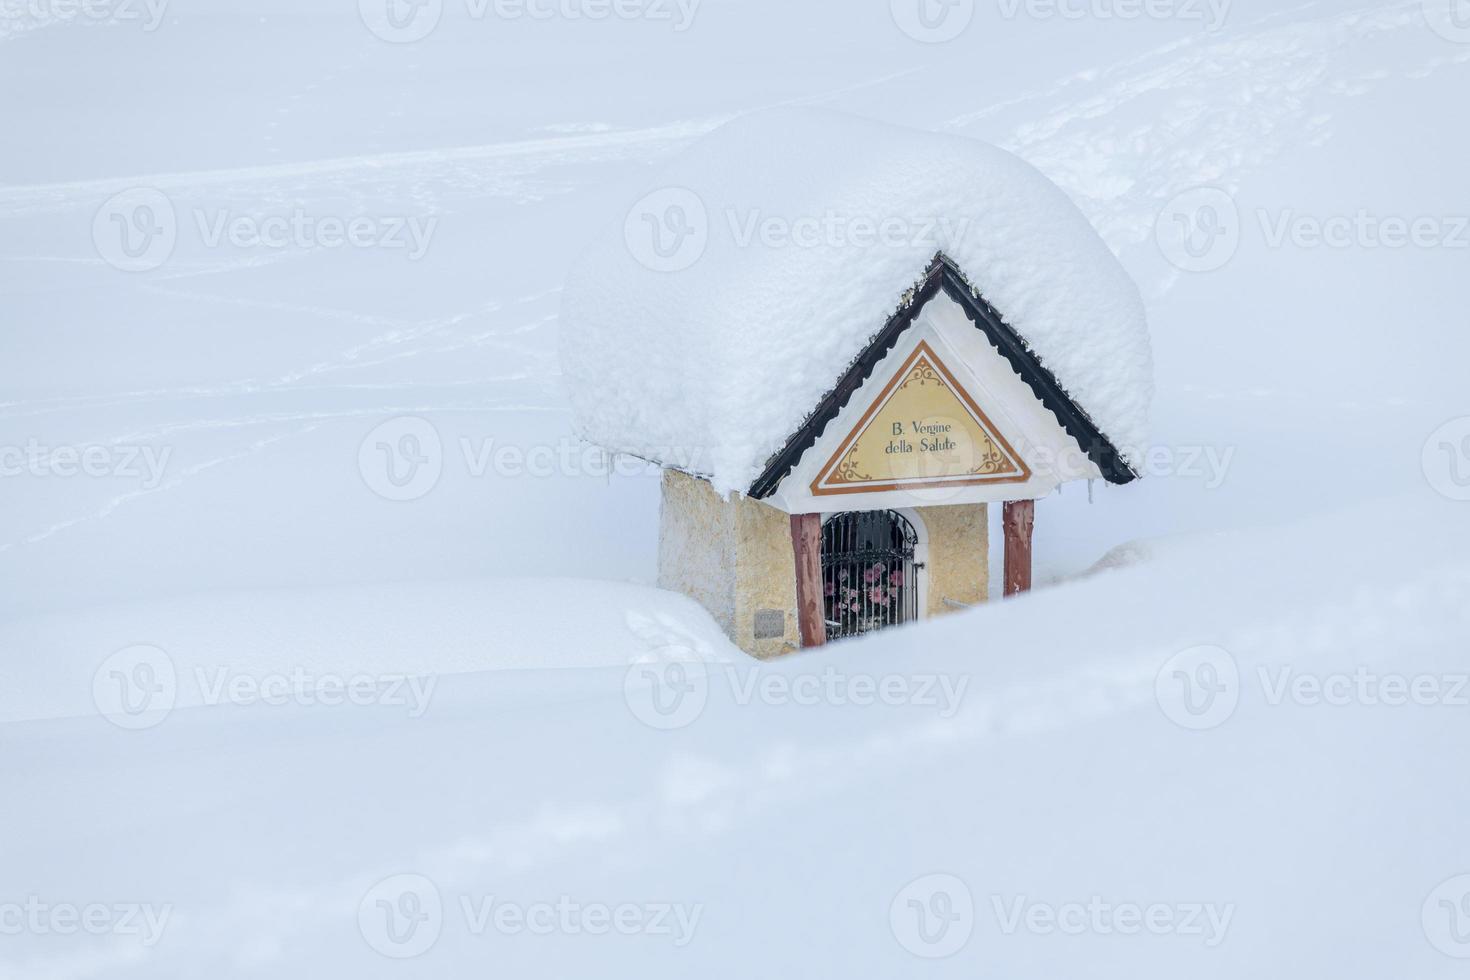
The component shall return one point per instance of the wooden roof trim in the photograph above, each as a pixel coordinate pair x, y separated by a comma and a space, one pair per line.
944, 275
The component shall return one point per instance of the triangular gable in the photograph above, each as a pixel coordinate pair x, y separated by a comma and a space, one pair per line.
923, 430
944, 275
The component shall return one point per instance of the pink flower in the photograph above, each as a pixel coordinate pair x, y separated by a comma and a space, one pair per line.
829, 590
853, 607
895, 578
876, 596
873, 574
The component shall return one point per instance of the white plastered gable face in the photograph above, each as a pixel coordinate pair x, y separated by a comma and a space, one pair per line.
1029, 453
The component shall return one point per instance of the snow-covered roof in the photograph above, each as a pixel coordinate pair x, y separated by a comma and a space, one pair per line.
703, 330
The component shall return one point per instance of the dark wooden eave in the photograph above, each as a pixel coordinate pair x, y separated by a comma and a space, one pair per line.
945, 275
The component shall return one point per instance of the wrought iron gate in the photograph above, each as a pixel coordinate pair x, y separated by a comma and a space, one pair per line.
869, 576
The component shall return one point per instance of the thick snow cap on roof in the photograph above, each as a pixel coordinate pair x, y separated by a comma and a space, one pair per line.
703, 330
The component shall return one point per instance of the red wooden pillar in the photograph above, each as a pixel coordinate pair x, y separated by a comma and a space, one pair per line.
1020, 520
806, 541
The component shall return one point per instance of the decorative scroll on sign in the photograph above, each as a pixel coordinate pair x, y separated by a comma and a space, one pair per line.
923, 430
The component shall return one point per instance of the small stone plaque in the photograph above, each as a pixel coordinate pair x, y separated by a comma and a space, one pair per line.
770, 624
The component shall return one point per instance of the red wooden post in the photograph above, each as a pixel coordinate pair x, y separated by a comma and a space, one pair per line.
1020, 520
806, 541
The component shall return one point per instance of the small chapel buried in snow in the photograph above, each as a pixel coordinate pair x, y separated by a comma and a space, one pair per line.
843, 341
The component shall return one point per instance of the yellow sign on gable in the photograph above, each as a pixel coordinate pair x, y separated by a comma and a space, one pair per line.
923, 430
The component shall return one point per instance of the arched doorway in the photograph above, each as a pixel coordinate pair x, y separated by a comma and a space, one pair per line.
870, 572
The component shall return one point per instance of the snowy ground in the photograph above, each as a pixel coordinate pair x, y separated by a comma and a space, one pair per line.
1241, 733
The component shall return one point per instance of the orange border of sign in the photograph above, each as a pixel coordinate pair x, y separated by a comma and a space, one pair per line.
921, 350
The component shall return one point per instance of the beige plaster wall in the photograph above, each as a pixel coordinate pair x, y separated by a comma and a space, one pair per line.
765, 575
696, 550
959, 555
735, 558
